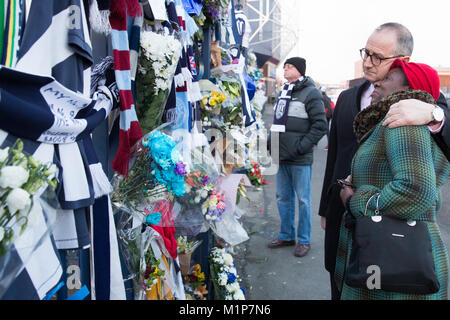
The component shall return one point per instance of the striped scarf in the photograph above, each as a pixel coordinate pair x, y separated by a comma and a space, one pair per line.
130, 130
10, 31
281, 109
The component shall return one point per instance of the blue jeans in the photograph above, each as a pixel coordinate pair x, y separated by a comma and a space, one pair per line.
294, 182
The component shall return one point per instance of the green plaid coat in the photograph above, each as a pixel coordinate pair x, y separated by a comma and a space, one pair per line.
407, 168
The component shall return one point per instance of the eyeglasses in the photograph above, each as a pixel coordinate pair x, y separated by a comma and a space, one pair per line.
374, 58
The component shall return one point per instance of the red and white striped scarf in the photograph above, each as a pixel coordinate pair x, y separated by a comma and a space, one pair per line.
130, 130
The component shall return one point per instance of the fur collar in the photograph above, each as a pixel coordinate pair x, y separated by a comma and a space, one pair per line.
368, 118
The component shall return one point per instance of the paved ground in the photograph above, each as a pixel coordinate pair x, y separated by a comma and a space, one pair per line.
276, 274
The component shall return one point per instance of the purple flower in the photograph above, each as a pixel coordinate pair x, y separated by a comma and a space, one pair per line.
205, 180
180, 168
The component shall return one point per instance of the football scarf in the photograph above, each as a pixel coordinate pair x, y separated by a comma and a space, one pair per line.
281, 109
130, 130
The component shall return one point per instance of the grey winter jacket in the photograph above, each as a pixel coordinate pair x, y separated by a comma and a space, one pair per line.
305, 126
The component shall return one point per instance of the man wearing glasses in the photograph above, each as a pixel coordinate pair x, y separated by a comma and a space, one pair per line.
388, 42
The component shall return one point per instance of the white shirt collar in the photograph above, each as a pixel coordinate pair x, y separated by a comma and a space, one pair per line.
366, 99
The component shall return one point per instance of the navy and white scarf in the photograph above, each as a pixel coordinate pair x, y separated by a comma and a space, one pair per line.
58, 30
48, 116
249, 115
281, 109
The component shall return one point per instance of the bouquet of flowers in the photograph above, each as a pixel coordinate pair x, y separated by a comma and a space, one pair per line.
241, 192
232, 118
212, 12
224, 275
212, 102
214, 207
158, 169
158, 59
195, 283
232, 88
255, 175
226, 57
150, 272
197, 188
21, 177
141, 262
185, 249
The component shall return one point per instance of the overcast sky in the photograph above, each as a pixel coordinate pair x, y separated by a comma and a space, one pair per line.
331, 32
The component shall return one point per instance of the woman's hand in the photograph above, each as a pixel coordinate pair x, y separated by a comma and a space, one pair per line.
346, 191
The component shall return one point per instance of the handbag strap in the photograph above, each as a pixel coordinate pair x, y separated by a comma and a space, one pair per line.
377, 211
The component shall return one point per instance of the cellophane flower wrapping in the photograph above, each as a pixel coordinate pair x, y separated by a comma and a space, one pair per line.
199, 186
185, 249
157, 169
144, 205
26, 185
228, 230
135, 241
157, 63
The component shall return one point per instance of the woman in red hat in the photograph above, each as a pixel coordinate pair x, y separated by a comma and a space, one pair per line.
397, 171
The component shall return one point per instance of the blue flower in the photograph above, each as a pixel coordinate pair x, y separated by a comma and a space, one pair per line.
153, 218
231, 277
165, 161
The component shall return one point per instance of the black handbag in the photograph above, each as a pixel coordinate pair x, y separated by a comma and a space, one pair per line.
398, 250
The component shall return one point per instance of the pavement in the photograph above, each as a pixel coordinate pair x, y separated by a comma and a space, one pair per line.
276, 274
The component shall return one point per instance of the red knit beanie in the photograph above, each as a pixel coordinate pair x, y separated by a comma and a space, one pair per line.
420, 76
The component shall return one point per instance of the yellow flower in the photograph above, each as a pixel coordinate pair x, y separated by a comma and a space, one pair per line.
200, 276
212, 201
212, 101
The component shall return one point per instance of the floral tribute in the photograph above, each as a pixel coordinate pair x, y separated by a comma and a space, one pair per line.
195, 286
254, 174
212, 12
214, 206
158, 59
21, 177
197, 188
158, 168
150, 273
224, 276
212, 102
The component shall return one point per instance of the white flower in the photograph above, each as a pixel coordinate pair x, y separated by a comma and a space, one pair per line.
17, 199
228, 259
218, 260
239, 295
13, 176
223, 279
232, 269
187, 187
4, 154
204, 193
233, 287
